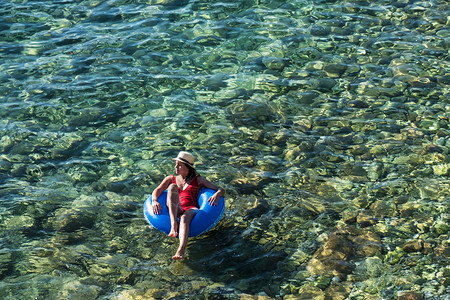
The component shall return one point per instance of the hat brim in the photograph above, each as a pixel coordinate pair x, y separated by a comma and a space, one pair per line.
183, 161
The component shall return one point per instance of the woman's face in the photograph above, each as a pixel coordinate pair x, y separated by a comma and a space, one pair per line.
181, 169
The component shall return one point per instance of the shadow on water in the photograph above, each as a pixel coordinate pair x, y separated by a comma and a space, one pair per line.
229, 256
251, 251
256, 251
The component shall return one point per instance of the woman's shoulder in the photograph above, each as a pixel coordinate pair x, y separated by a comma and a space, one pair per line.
170, 178
201, 180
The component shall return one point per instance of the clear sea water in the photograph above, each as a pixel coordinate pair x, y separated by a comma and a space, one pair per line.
327, 122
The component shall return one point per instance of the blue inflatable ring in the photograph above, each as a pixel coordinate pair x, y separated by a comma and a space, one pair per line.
206, 218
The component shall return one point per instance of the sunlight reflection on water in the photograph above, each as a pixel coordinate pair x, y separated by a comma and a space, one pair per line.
326, 122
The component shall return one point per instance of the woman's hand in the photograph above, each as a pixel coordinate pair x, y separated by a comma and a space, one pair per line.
213, 200
157, 192
156, 207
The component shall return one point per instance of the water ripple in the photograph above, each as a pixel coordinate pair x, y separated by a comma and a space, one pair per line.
326, 121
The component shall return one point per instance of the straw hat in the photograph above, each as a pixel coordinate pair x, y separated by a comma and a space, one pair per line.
186, 158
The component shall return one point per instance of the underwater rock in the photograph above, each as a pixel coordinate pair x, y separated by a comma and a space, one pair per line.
394, 256
332, 258
246, 161
423, 83
413, 246
251, 112
410, 296
366, 244
325, 85
68, 220
18, 222
349, 215
366, 218
432, 148
358, 104
208, 40
441, 169
374, 266
215, 82
338, 290
78, 291
320, 30
68, 146
307, 97
308, 291
102, 269
274, 49
22, 148
275, 63
253, 181
355, 170
144, 290
371, 267
6, 142
335, 70
83, 174
295, 177
382, 209
260, 207
116, 202
308, 208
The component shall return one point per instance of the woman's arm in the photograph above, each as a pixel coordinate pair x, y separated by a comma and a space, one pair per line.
158, 191
214, 199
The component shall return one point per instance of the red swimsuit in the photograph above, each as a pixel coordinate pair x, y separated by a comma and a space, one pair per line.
188, 196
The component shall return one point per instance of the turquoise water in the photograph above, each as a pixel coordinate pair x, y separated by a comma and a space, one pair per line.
327, 122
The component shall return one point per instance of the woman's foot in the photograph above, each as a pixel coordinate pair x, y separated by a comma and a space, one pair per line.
173, 231
179, 254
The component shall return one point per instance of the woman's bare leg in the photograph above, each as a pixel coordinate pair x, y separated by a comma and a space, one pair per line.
174, 209
185, 223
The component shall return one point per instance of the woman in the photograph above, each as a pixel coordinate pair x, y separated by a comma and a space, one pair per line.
182, 195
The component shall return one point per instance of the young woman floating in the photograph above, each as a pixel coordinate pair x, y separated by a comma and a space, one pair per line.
182, 194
